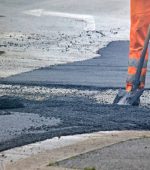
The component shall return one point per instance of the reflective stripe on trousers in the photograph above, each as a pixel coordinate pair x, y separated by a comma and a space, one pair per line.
132, 68
140, 19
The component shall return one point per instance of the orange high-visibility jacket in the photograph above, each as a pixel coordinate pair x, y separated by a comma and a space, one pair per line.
140, 19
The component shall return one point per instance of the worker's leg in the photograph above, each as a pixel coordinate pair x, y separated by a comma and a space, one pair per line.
140, 19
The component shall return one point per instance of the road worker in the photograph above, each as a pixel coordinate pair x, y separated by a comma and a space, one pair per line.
140, 20
138, 53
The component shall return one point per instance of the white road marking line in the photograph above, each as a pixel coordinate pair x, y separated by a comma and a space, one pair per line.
88, 19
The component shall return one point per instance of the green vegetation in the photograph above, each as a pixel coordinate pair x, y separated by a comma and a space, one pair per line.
90, 168
51, 164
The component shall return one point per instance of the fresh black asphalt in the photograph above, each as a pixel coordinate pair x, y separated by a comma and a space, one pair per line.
108, 70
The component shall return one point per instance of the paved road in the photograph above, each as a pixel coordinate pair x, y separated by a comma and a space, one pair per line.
32, 49
30, 39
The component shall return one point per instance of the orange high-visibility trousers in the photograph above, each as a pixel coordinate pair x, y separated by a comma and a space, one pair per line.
140, 19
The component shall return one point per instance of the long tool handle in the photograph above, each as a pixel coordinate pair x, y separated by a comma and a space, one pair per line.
141, 62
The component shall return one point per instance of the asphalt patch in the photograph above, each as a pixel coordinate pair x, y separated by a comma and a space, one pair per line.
77, 115
109, 70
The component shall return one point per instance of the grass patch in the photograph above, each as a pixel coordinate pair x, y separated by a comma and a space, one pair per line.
53, 164
88, 168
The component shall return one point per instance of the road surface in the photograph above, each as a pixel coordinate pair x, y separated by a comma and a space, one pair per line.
57, 74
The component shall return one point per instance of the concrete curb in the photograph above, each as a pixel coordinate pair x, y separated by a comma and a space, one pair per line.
39, 155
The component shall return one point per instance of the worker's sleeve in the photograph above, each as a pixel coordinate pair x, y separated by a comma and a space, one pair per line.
140, 19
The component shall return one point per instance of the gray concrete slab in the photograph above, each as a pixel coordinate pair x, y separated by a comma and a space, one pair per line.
53, 150
132, 154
